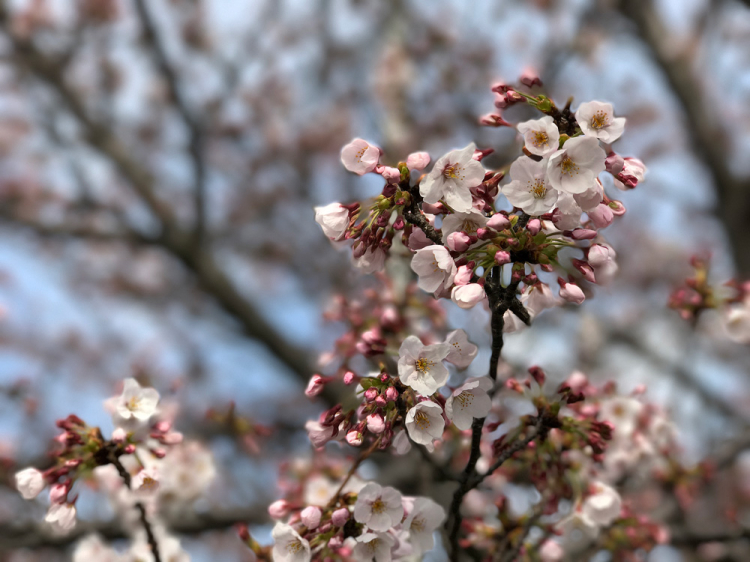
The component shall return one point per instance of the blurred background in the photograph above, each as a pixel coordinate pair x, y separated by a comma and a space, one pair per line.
159, 161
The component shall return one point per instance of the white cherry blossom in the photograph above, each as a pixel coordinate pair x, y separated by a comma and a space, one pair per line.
435, 267
93, 549
425, 423
451, 178
333, 219
29, 483
577, 531
462, 351
529, 189
360, 157
468, 296
540, 136
463, 222
736, 321
421, 366
371, 261
602, 259
631, 167
469, 401
424, 517
378, 507
603, 506
574, 168
373, 546
288, 545
136, 402
597, 119
623, 412
61, 516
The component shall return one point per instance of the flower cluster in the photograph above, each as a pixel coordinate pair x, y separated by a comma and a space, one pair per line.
144, 465
373, 523
731, 300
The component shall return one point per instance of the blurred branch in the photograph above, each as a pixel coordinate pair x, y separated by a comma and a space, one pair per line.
707, 136
173, 237
40, 536
195, 130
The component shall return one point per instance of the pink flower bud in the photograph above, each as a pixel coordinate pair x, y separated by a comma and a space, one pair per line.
480, 154
498, 222
391, 175
614, 163
529, 78
433, 208
463, 275
391, 394
349, 377
458, 242
129, 449
571, 293
586, 270
278, 509
534, 226
381, 401
582, 234
375, 423
311, 517
601, 216
340, 517
618, 209
315, 386
58, 493
493, 120
502, 257
336, 542
417, 160
354, 438
371, 393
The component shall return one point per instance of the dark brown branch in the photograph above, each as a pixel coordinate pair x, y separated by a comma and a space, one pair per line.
706, 134
194, 127
150, 537
173, 237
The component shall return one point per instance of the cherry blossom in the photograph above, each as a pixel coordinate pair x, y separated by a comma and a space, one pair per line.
319, 434
462, 351
540, 136
92, 548
597, 119
469, 401
373, 546
463, 222
574, 168
360, 157
378, 507
421, 366
30, 482
424, 517
425, 423
603, 506
418, 161
451, 178
61, 516
633, 172
333, 219
372, 261
288, 545
136, 402
146, 481
602, 258
530, 189
435, 268
468, 296
736, 321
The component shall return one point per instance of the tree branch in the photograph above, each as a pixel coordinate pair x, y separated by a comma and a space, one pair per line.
173, 237
707, 136
195, 129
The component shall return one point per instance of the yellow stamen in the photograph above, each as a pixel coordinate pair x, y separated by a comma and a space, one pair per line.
422, 421
568, 166
537, 188
424, 365
540, 139
599, 120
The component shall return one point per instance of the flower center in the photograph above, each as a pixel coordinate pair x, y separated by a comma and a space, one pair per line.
424, 365
452, 171
417, 525
540, 139
149, 483
465, 399
537, 188
422, 421
373, 545
599, 120
294, 547
568, 166
361, 153
378, 506
133, 404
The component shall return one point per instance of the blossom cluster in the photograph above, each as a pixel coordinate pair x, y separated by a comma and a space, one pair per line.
731, 300
143, 465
